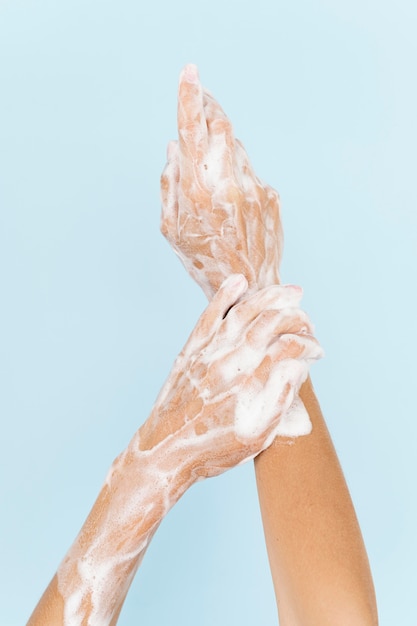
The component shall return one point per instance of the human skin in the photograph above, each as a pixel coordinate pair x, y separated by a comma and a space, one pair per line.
220, 218
242, 353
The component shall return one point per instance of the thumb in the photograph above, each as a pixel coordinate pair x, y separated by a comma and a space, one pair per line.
228, 294
231, 289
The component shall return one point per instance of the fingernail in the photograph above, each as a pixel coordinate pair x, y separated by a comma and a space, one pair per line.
190, 73
295, 288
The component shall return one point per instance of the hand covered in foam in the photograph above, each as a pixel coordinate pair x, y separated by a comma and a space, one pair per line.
235, 378
222, 404
218, 216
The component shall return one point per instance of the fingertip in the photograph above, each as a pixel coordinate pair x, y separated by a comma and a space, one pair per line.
298, 293
235, 282
312, 350
290, 295
232, 288
230, 291
318, 351
295, 288
190, 74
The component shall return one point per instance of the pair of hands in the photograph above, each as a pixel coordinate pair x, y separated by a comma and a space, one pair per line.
250, 351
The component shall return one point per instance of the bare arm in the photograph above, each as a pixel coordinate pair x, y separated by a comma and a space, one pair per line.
202, 424
219, 218
317, 556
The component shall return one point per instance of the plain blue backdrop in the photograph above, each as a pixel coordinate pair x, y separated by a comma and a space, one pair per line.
94, 306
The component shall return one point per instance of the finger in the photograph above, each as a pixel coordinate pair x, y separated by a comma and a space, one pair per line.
270, 324
215, 114
272, 220
243, 159
281, 353
192, 127
211, 106
221, 165
220, 170
275, 297
230, 291
300, 347
169, 193
213, 111
244, 171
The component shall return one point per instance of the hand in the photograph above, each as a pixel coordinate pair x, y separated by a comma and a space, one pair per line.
234, 379
218, 216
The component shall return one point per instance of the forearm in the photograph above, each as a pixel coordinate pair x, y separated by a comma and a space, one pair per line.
317, 556
92, 581
220, 218
202, 424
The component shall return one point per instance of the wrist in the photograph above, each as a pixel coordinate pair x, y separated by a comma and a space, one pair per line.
159, 462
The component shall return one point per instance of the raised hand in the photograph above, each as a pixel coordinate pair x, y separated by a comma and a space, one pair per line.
235, 378
218, 216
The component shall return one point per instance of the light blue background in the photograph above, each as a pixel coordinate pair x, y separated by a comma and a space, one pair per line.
94, 305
